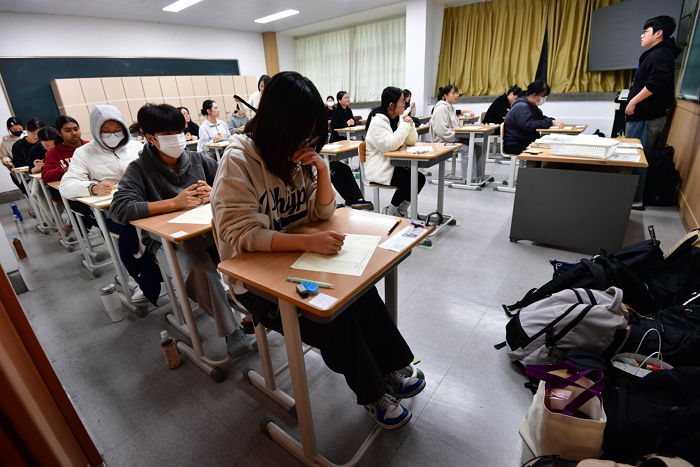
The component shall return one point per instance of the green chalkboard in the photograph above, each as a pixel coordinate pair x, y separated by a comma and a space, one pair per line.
27, 80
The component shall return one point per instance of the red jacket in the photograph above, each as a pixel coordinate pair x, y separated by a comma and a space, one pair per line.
56, 162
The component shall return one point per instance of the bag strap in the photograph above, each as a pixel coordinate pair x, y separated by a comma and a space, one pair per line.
543, 373
641, 341
551, 342
597, 271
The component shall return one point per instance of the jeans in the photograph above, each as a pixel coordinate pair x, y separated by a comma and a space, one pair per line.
649, 132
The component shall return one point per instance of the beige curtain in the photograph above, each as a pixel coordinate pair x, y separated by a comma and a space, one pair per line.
569, 25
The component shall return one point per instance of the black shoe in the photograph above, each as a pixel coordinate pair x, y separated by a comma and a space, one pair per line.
362, 205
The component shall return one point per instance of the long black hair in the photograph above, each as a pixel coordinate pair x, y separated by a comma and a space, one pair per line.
515, 90
264, 79
60, 121
538, 87
206, 106
47, 133
390, 95
302, 115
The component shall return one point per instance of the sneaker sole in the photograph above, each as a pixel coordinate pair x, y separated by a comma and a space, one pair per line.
241, 351
409, 394
397, 426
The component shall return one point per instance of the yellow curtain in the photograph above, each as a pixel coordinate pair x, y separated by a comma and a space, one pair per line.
489, 46
568, 25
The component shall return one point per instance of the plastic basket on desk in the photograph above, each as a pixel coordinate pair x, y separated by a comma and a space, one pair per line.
585, 146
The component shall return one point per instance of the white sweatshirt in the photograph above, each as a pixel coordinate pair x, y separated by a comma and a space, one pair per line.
443, 120
381, 139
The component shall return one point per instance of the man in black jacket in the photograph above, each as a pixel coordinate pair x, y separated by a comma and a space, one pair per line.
652, 91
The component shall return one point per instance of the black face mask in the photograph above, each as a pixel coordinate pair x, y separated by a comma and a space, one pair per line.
17, 133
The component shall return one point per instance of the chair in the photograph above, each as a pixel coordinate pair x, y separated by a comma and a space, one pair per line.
508, 185
362, 151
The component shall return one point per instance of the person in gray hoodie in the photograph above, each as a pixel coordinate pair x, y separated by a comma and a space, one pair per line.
166, 178
270, 182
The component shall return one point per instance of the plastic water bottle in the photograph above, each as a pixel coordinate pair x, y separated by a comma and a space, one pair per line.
16, 212
17, 243
112, 303
17, 225
169, 349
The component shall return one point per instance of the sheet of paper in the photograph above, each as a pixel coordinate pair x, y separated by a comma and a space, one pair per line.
620, 151
624, 158
199, 215
331, 147
323, 301
630, 145
351, 260
401, 239
418, 149
99, 200
568, 128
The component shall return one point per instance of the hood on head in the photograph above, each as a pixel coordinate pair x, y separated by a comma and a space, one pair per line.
100, 114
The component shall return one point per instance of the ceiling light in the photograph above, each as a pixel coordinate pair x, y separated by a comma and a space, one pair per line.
276, 16
180, 5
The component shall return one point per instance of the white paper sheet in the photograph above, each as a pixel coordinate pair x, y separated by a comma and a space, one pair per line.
323, 301
351, 260
99, 200
620, 151
418, 149
624, 158
401, 239
200, 215
630, 145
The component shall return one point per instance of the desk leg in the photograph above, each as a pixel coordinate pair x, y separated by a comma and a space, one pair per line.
118, 266
468, 167
414, 189
63, 238
441, 186
391, 294
32, 206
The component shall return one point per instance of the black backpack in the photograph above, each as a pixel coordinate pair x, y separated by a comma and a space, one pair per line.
679, 328
663, 180
624, 269
660, 413
679, 275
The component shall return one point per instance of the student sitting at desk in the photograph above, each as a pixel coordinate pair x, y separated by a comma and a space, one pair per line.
46, 136
254, 99
165, 178
21, 151
330, 104
342, 115
239, 116
525, 118
212, 129
58, 157
191, 128
15, 130
387, 131
270, 182
499, 108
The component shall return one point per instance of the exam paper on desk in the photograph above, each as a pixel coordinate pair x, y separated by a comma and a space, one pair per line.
98, 199
200, 215
625, 158
402, 239
351, 260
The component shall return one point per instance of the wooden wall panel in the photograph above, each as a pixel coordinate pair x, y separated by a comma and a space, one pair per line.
93, 91
133, 88
228, 90
215, 93
251, 84
114, 92
685, 138
168, 85
151, 89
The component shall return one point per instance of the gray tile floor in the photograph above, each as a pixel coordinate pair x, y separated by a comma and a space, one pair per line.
141, 414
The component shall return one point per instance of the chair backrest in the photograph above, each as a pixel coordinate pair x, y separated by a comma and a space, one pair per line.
362, 151
481, 118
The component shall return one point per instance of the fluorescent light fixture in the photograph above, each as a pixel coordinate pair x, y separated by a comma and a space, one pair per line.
180, 5
276, 16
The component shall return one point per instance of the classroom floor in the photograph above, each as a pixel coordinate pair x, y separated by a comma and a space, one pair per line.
139, 413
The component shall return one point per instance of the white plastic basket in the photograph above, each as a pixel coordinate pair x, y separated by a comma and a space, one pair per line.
585, 146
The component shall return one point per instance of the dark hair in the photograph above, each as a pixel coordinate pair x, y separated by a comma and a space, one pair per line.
206, 105
156, 118
330, 97
302, 116
60, 121
661, 23
12, 121
390, 95
406, 93
442, 92
135, 129
537, 87
263, 79
47, 133
339, 95
515, 90
180, 109
34, 124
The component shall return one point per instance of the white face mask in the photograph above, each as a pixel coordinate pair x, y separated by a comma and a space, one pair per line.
542, 100
329, 103
172, 145
111, 140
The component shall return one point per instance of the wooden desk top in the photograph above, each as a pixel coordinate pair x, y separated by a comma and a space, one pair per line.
192, 141
340, 147
466, 116
21, 170
220, 144
352, 128
546, 156
477, 128
568, 129
437, 150
54, 185
159, 226
100, 202
35, 175
267, 271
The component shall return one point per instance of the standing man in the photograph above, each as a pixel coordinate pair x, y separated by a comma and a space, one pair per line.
652, 92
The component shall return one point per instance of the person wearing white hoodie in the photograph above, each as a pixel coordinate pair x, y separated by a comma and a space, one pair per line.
387, 131
442, 123
270, 182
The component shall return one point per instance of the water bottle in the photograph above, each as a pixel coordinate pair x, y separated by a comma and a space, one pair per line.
169, 349
16, 212
17, 243
17, 225
112, 303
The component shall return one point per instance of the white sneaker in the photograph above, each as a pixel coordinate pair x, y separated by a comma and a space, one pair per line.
138, 296
388, 413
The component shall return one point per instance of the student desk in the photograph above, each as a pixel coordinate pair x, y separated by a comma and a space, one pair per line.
358, 130
190, 143
186, 237
467, 118
424, 120
574, 202
218, 148
265, 272
567, 130
471, 131
341, 150
422, 130
44, 226
438, 154
63, 239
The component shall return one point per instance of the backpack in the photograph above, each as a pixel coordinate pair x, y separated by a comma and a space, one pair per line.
679, 275
623, 269
679, 328
659, 413
663, 180
586, 319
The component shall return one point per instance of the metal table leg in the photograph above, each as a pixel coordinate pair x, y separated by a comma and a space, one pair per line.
414, 189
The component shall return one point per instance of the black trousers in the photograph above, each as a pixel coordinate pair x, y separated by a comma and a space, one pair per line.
344, 182
363, 343
402, 180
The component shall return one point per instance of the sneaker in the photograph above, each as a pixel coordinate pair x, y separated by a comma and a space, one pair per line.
138, 296
410, 370
237, 344
67, 228
638, 206
401, 386
388, 413
362, 204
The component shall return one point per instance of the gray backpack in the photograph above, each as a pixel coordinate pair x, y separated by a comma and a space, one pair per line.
586, 319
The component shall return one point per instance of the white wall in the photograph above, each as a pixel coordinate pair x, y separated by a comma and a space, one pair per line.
33, 35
